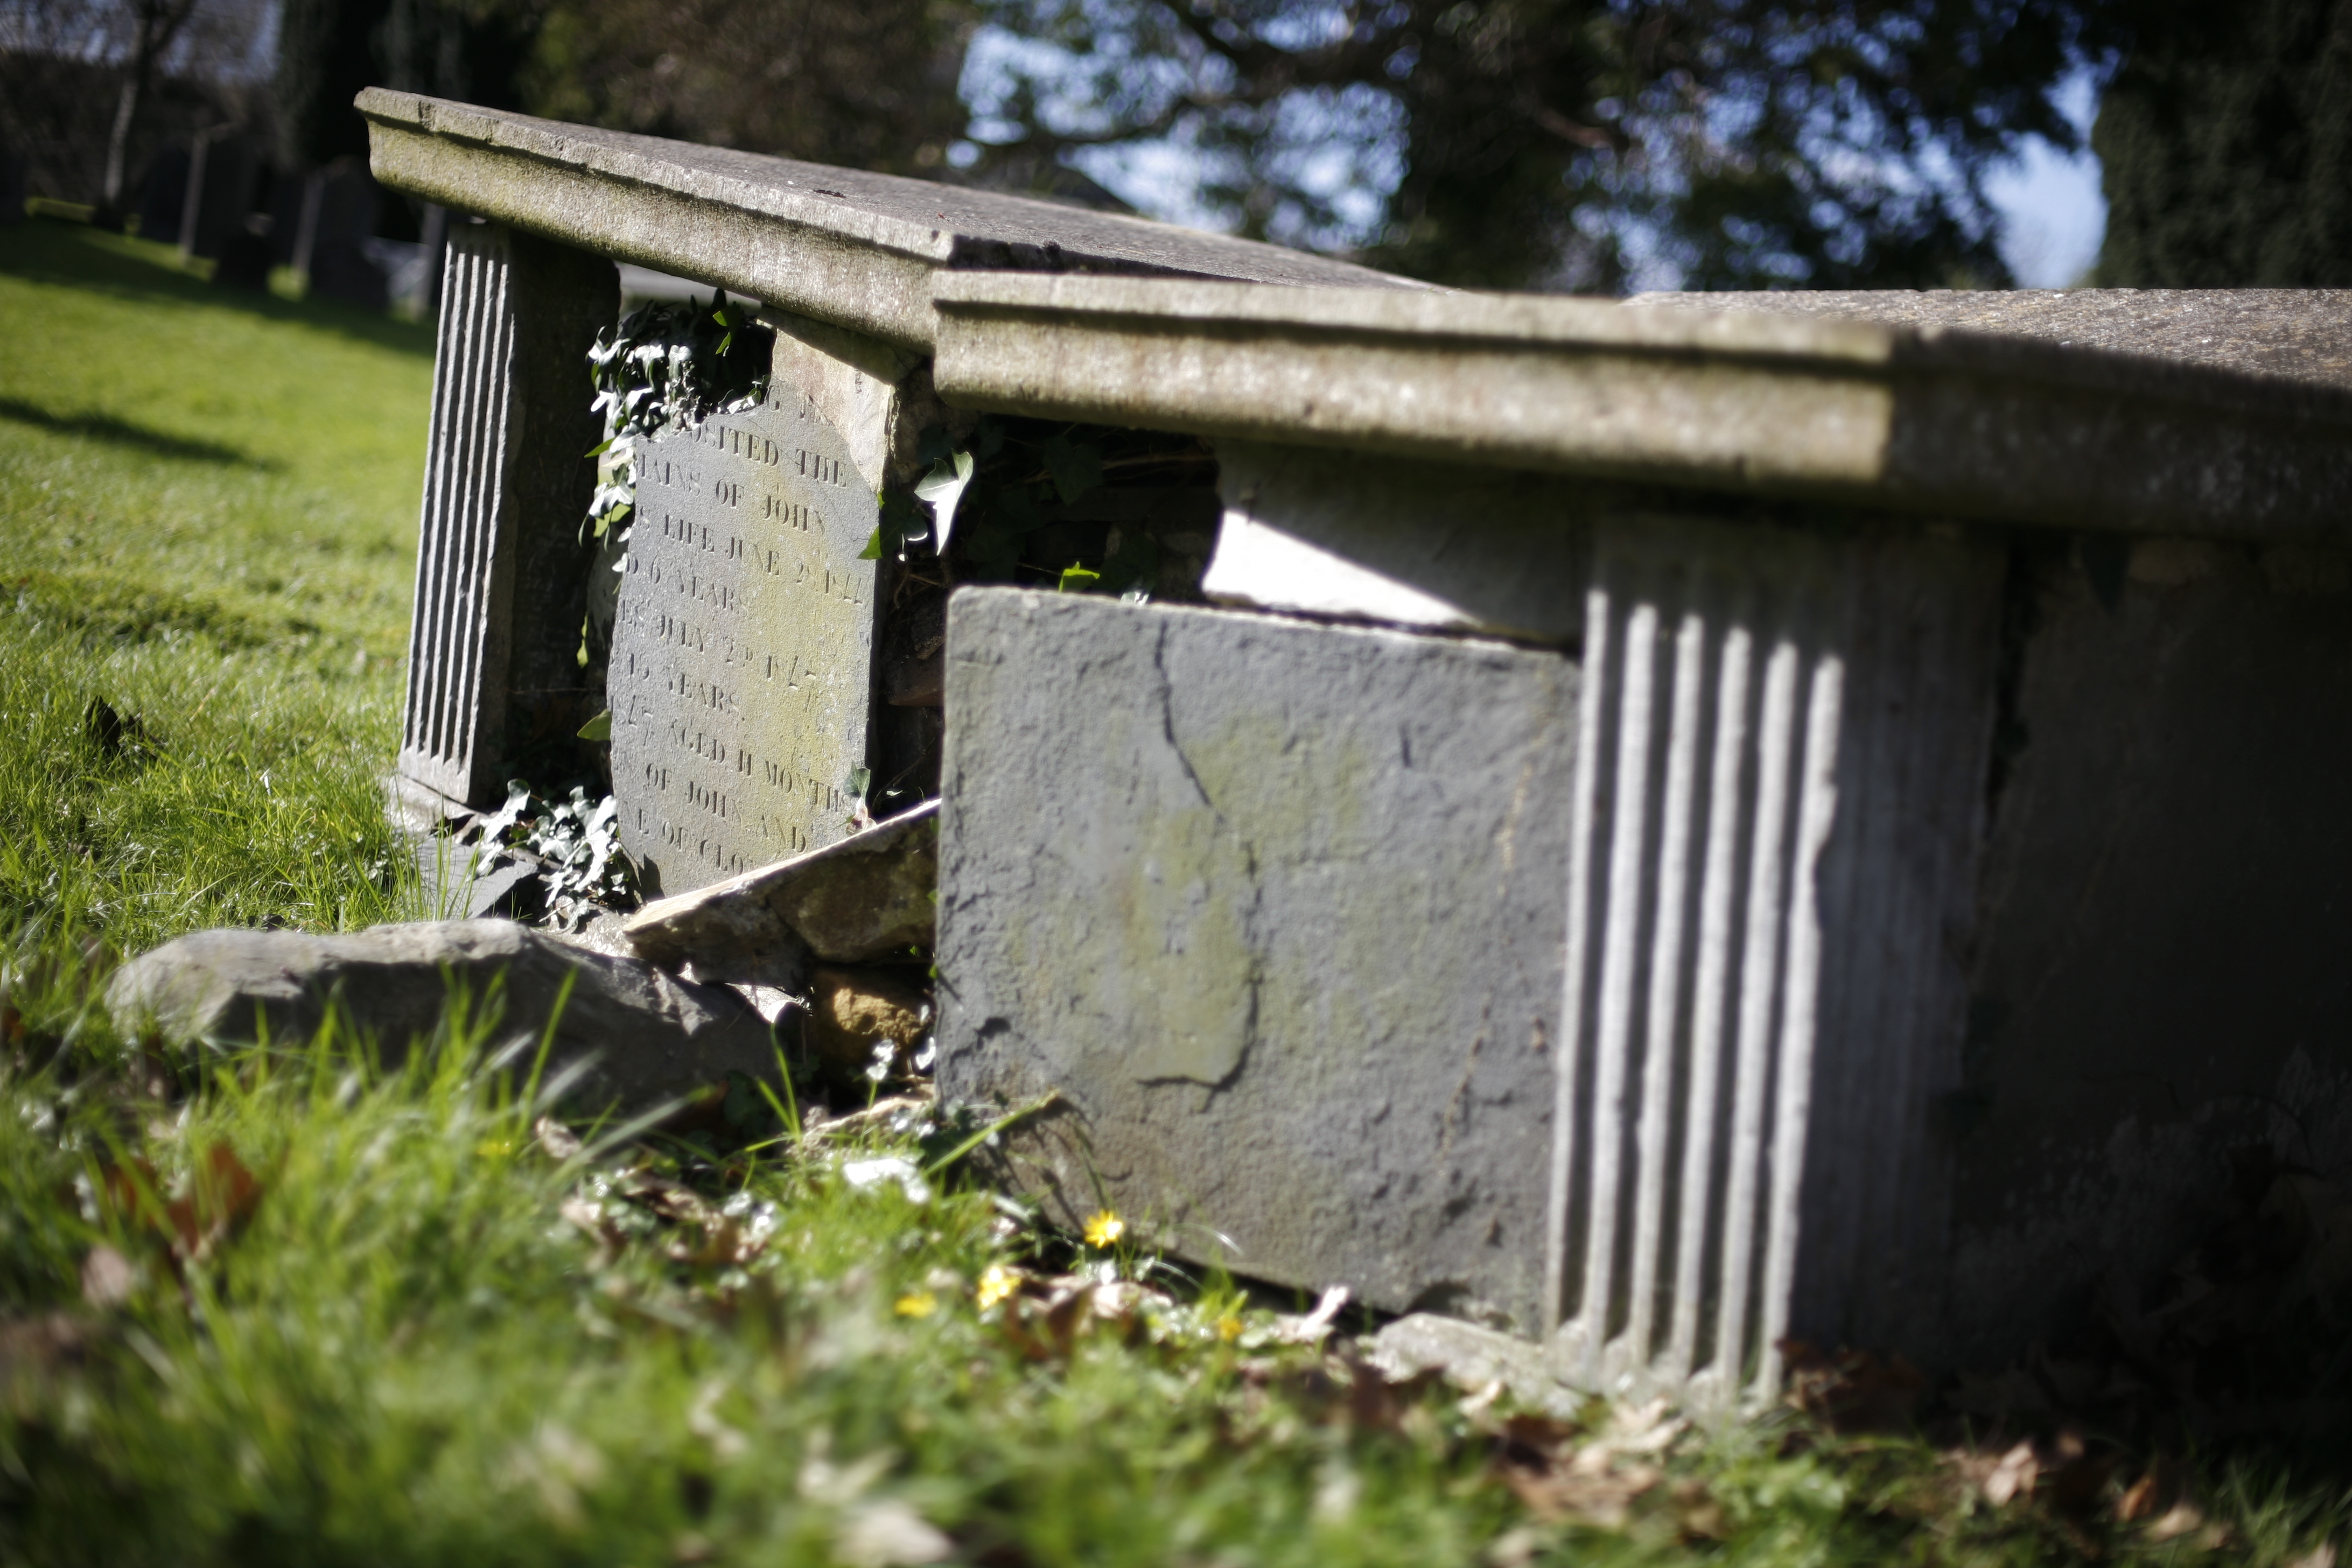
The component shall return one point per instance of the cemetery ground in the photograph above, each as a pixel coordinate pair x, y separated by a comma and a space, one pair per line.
291, 1305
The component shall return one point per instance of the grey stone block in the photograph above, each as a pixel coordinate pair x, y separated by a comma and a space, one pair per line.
1276, 909
649, 1035
2162, 981
501, 575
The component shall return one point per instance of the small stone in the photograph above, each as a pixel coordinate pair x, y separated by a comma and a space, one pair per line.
867, 897
851, 1011
650, 1037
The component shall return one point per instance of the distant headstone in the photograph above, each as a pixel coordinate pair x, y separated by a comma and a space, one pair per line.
216, 194
162, 193
339, 215
741, 669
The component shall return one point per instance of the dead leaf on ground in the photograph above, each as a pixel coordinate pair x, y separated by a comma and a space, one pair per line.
1852, 1391
1561, 1474
2000, 1477
558, 1142
218, 1195
2182, 1518
108, 1278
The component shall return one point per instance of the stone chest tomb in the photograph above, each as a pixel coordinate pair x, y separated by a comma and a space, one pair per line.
1684, 825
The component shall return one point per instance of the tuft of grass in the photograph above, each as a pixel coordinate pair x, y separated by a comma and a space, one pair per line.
290, 1305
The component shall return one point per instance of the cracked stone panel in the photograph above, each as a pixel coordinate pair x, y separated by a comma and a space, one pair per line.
1278, 908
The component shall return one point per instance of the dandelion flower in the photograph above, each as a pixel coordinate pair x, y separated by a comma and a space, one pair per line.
996, 1283
916, 1304
1104, 1229
1229, 1327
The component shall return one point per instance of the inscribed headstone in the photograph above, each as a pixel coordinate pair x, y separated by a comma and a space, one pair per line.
742, 652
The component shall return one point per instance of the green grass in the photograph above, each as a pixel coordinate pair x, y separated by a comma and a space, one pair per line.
291, 1307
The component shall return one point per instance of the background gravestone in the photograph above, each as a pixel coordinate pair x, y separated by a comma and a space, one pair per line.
741, 670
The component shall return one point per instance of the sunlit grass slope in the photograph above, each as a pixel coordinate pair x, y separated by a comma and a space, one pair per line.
207, 522
287, 1308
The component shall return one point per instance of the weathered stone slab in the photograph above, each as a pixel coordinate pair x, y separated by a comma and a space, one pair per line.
2300, 334
1948, 424
867, 897
841, 245
1286, 939
741, 670
650, 1037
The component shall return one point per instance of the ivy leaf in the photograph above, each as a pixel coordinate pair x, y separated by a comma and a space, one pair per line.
873, 551
1077, 578
599, 728
1076, 466
944, 487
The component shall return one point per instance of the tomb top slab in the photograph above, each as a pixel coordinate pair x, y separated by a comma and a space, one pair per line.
1960, 424
851, 249
2300, 334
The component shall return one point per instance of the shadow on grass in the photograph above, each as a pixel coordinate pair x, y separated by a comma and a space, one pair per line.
123, 432
50, 250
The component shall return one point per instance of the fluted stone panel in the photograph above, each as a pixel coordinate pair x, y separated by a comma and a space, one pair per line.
1775, 820
501, 569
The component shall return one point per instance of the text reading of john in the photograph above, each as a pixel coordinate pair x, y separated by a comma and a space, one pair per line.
741, 673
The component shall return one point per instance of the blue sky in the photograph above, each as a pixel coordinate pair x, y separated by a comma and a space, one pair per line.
2052, 214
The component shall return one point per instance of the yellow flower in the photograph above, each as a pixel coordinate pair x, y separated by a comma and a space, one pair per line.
916, 1304
1229, 1327
1104, 1229
996, 1283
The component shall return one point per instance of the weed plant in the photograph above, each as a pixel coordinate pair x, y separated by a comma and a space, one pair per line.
295, 1305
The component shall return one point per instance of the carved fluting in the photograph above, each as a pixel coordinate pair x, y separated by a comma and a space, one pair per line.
500, 566
1775, 816
456, 662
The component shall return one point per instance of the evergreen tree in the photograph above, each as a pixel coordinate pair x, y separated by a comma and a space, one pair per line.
326, 55
1562, 143
2226, 148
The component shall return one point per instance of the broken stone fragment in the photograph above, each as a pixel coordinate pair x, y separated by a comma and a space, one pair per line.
851, 1011
867, 897
649, 1035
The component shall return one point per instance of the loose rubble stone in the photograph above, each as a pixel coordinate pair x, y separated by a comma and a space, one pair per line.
853, 1010
651, 1036
867, 897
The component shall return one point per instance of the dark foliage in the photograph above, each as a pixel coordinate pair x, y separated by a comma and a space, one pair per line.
326, 55
869, 86
2226, 142
1825, 143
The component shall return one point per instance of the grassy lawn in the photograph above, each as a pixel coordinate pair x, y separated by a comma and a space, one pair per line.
290, 1308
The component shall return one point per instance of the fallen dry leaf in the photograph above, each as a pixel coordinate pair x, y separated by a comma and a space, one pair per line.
557, 1141
108, 1278
2181, 1519
1852, 1391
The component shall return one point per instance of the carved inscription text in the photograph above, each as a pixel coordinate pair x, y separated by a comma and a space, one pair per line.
742, 652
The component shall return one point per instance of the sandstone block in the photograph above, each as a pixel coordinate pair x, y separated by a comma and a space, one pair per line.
867, 897
852, 1011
